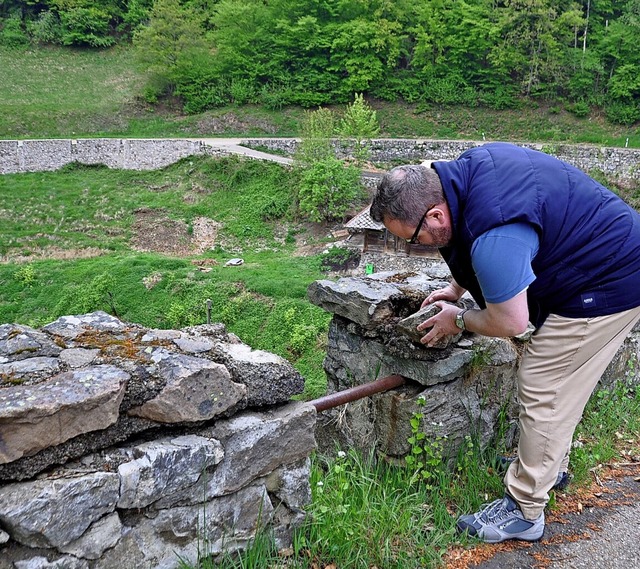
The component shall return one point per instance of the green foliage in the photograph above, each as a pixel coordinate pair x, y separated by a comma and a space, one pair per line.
338, 258
364, 514
89, 296
449, 90
173, 49
86, 26
327, 189
425, 458
317, 129
611, 421
359, 120
312, 53
360, 123
25, 275
623, 112
12, 33
46, 28
579, 108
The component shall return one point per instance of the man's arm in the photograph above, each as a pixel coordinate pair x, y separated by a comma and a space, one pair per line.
504, 319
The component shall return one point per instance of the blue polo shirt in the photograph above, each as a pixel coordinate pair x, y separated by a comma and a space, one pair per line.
501, 259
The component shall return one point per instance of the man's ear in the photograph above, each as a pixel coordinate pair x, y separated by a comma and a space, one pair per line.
437, 214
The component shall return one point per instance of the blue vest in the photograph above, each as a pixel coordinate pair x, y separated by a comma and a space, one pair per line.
588, 263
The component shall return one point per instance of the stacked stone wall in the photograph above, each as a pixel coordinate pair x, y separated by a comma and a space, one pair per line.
620, 164
122, 446
467, 384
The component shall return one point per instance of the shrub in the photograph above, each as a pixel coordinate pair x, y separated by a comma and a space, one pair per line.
86, 26
46, 28
360, 123
450, 91
579, 109
12, 33
327, 189
623, 112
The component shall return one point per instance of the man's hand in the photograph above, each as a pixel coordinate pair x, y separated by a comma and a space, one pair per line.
442, 324
505, 319
451, 293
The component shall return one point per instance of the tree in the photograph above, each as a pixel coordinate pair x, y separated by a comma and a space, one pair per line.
327, 188
171, 46
361, 124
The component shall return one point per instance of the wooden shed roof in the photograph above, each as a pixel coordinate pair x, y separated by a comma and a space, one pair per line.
362, 221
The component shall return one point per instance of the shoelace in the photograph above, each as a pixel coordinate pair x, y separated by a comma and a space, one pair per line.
493, 511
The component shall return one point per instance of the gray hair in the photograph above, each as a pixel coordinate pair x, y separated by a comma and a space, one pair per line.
404, 192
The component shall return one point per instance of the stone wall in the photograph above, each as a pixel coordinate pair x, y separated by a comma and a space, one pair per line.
127, 154
122, 446
468, 384
619, 164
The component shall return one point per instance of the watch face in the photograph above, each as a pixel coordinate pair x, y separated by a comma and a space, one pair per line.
460, 321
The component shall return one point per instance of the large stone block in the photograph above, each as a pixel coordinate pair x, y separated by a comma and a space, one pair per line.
20, 342
165, 467
196, 389
269, 378
258, 443
55, 512
35, 417
163, 539
367, 302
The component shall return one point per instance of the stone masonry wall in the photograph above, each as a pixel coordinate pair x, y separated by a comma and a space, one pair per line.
621, 164
126, 447
468, 383
127, 154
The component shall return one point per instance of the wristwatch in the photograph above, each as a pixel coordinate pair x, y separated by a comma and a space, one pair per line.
460, 319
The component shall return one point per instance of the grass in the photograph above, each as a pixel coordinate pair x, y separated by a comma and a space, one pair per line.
62, 92
47, 217
53, 92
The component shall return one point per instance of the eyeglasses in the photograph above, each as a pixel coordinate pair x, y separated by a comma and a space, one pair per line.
414, 237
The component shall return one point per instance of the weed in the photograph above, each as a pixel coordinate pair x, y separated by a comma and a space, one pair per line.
425, 458
25, 275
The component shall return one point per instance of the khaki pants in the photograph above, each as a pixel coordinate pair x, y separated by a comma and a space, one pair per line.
560, 369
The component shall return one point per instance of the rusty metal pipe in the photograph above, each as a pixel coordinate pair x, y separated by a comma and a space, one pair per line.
357, 392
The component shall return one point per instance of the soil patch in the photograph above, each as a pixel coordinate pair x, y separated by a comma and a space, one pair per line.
154, 231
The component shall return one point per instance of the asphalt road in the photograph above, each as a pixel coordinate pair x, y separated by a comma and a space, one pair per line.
605, 534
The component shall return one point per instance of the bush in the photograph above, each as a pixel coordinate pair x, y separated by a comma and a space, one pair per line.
12, 33
275, 96
623, 112
46, 28
203, 94
450, 91
86, 26
339, 258
500, 98
327, 189
579, 109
